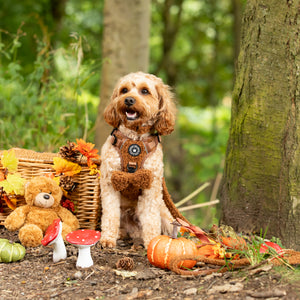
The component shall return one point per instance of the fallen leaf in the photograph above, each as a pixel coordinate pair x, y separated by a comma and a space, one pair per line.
125, 274
226, 288
268, 294
264, 268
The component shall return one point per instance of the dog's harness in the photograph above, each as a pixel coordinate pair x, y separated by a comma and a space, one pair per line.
133, 178
133, 153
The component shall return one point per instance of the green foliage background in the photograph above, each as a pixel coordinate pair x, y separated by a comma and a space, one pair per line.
50, 66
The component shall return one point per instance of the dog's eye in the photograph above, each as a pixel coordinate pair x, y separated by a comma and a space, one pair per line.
144, 91
124, 90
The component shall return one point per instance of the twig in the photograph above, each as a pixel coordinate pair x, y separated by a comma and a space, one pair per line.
59, 263
216, 187
209, 203
193, 194
64, 291
89, 275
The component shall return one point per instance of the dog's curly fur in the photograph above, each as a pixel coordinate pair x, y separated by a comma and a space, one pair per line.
141, 104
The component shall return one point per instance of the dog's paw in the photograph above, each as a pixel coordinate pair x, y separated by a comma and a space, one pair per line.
108, 243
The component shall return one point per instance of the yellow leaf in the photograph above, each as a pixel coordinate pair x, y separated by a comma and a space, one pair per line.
62, 166
14, 184
9, 160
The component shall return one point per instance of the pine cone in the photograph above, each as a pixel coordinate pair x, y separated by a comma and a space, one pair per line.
67, 183
125, 263
69, 153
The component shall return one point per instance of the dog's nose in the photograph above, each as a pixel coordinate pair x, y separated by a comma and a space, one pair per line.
129, 101
46, 196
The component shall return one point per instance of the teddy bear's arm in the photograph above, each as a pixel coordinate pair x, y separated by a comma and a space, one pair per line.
68, 219
16, 219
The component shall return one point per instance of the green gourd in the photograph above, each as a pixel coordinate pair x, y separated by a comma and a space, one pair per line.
11, 251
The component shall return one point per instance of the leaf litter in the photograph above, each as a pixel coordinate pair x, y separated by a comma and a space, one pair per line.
37, 277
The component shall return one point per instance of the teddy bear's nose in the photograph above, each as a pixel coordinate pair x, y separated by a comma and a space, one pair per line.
46, 196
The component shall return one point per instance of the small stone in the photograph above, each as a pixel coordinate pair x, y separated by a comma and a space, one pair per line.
190, 292
78, 275
134, 291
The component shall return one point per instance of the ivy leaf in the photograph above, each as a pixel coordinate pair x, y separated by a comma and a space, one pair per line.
9, 160
62, 166
14, 184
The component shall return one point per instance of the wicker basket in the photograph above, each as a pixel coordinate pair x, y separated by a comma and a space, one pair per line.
86, 196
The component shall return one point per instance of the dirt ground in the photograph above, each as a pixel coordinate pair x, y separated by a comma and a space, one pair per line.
37, 277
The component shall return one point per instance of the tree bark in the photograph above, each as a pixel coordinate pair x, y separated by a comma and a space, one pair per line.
236, 28
125, 49
261, 186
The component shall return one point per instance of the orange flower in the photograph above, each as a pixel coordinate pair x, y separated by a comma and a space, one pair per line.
87, 149
214, 251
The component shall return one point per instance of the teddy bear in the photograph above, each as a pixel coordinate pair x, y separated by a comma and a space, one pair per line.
42, 196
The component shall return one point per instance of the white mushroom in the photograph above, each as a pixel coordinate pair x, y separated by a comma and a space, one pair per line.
84, 239
53, 237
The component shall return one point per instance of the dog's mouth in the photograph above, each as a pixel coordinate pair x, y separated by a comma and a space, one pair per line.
131, 115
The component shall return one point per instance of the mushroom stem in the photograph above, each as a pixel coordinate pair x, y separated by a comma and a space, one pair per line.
53, 237
84, 259
59, 249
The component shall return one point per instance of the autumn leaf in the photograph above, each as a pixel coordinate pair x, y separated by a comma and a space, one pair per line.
234, 243
62, 166
2, 176
198, 232
9, 160
11, 202
14, 184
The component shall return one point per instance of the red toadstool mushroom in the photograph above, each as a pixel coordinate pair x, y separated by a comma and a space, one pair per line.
84, 239
53, 237
265, 247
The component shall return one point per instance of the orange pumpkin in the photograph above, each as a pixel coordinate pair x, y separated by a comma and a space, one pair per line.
163, 248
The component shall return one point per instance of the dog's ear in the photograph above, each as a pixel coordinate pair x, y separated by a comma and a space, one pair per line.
167, 110
110, 114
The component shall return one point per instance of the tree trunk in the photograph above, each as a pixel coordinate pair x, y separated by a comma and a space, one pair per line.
236, 28
125, 49
261, 186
